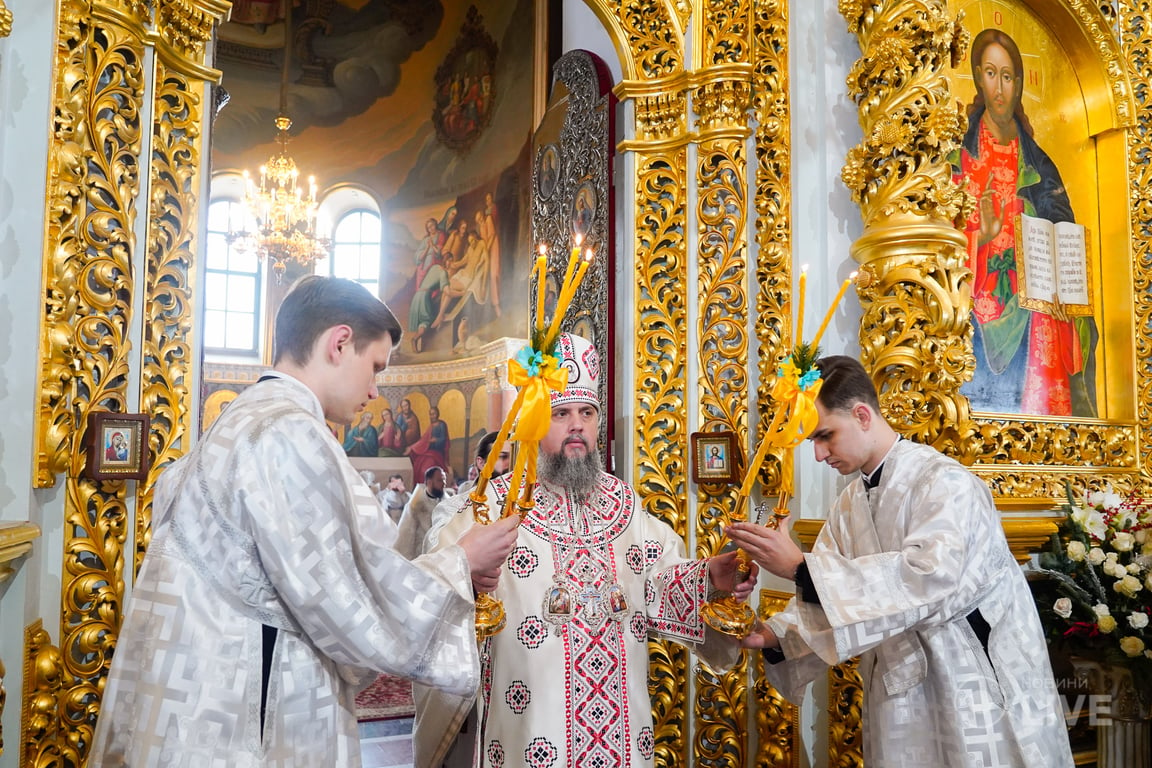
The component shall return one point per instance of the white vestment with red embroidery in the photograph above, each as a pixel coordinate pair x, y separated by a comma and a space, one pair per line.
574, 692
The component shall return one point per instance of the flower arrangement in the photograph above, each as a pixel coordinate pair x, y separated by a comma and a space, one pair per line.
1098, 599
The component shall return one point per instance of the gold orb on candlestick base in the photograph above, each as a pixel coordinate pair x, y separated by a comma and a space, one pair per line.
729, 615
490, 618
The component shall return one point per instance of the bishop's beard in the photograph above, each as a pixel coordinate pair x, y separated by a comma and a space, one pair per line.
576, 474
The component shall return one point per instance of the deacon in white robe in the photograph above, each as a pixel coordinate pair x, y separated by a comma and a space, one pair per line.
271, 593
915, 577
591, 577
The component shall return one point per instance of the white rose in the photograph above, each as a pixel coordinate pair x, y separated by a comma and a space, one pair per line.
1063, 609
1148, 581
1100, 609
1135, 569
1076, 551
1111, 557
1095, 555
1114, 569
1123, 542
1148, 653
1129, 586
1137, 620
1141, 536
1133, 646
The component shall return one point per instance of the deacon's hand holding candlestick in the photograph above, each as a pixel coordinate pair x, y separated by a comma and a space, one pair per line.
773, 547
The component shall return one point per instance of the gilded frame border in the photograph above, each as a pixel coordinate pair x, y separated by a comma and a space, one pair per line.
915, 335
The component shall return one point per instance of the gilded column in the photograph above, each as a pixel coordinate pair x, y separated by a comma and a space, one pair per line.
92, 273
660, 323
915, 335
651, 41
93, 166
178, 157
777, 721
721, 97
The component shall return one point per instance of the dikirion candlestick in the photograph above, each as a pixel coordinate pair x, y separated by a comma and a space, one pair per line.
794, 417
536, 372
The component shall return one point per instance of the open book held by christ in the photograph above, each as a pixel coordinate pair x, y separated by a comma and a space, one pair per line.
1052, 266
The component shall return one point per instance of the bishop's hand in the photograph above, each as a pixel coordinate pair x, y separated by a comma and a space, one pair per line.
727, 575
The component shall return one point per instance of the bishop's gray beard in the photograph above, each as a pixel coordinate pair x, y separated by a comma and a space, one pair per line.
577, 475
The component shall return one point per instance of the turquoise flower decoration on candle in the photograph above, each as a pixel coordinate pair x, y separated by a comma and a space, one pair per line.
530, 360
810, 377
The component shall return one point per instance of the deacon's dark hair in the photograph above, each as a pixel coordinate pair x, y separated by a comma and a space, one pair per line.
317, 303
485, 446
431, 473
845, 384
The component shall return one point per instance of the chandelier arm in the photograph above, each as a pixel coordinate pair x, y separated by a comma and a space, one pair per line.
287, 57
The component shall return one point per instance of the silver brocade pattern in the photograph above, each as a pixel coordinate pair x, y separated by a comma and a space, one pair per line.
266, 522
898, 570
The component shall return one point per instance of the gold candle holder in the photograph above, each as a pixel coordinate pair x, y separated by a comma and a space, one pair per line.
536, 370
794, 394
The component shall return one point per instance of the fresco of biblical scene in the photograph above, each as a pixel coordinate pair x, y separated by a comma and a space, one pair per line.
421, 115
406, 424
1027, 161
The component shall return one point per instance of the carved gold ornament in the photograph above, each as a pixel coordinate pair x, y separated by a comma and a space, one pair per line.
93, 272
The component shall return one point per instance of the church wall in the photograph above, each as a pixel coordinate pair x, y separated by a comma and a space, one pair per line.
33, 591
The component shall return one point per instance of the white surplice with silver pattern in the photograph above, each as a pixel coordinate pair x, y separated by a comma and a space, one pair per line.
266, 522
898, 569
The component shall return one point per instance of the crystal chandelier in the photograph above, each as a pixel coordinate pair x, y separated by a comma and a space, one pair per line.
285, 216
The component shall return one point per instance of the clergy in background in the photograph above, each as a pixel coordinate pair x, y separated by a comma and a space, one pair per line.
912, 573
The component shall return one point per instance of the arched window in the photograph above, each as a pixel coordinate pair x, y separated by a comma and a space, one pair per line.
232, 284
355, 250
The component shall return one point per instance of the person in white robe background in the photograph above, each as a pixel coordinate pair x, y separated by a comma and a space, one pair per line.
271, 592
912, 573
417, 516
592, 575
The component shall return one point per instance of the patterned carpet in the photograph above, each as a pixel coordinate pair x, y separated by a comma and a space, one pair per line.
387, 697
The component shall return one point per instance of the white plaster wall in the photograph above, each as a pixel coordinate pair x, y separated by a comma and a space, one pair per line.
825, 222
25, 115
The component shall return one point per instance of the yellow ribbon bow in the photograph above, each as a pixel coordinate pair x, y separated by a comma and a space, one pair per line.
536, 410
796, 417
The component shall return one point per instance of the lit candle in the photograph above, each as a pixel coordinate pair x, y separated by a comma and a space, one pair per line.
541, 269
800, 307
567, 293
832, 310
